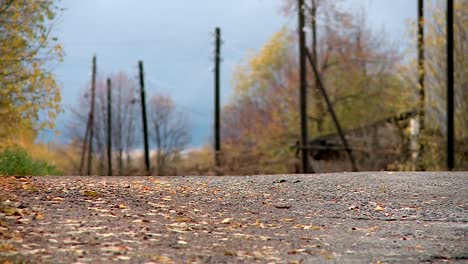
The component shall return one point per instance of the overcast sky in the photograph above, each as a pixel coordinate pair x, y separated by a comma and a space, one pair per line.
175, 41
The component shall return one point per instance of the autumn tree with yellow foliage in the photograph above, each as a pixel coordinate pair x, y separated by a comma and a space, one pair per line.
261, 121
28, 89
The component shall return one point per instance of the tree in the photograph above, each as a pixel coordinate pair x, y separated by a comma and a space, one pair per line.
124, 127
28, 88
170, 131
351, 59
262, 121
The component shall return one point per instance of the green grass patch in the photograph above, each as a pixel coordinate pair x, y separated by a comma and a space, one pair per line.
16, 161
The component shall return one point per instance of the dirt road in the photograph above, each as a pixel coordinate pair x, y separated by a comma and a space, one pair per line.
375, 217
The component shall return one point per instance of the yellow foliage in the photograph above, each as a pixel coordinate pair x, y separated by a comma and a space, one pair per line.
260, 122
26, 86
253, 77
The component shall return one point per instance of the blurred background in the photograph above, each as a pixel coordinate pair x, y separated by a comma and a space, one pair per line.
71, 95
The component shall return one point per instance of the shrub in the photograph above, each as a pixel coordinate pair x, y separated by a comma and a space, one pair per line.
15, 161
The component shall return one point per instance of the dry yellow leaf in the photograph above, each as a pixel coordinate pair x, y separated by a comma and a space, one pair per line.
90, 193
226, 221
379, 208
39, 216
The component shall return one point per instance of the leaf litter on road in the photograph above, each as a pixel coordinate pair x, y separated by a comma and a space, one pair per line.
192, 219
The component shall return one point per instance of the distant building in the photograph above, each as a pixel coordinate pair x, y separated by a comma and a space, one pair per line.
377, 146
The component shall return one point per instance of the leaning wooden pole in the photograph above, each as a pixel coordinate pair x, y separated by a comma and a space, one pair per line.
91, 117
332, 112
143, 112
313, 25
450, 89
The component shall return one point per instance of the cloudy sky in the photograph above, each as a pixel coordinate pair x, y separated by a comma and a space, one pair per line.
175, 41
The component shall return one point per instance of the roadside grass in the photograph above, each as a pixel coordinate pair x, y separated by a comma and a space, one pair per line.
16, 161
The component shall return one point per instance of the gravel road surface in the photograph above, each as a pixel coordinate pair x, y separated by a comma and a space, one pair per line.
366, 217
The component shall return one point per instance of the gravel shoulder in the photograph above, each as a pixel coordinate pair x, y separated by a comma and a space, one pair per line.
366, 217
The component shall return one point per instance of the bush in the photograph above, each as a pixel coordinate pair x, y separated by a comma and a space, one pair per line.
15, 161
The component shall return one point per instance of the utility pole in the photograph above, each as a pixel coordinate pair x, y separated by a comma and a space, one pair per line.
303, 88
91, 116
109, 127
422, 93
217, 143
450, 89
143, 111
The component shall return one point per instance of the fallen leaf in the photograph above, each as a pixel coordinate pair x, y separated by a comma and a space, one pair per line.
140, 221
258, 223
230, 253
183, 219
10, 211
124, 248
38, 216
7, 248
90, 193
258, 255
379, 208
226, 221
311, 227
162, 259
419, 247
307, 227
